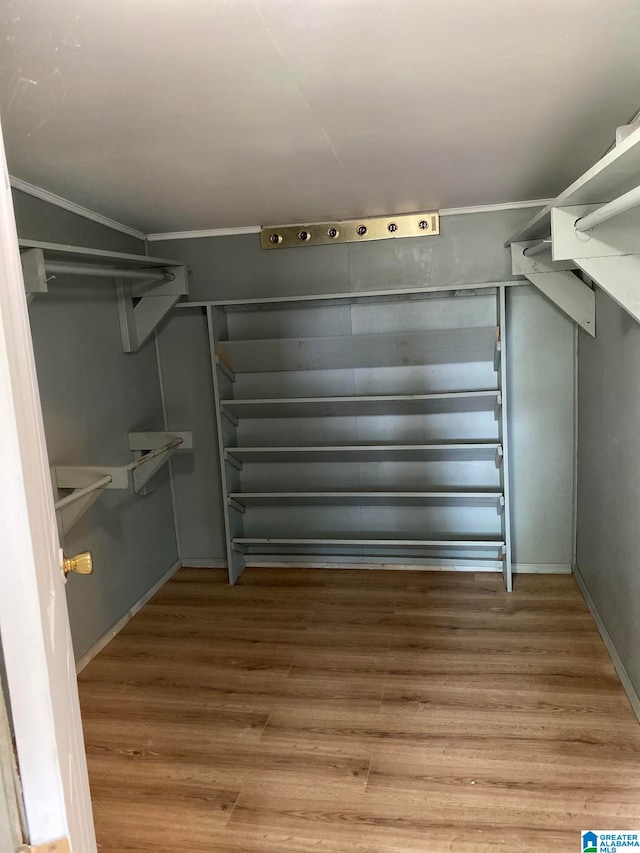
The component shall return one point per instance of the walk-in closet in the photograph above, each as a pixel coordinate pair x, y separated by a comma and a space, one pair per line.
319, 426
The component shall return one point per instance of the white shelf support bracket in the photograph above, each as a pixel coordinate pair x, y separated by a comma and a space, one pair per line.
86, 483
33, 273
556, 281
619, 277
142, 305
499, 456
152, 450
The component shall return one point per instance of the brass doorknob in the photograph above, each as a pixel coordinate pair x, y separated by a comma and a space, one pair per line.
82, 564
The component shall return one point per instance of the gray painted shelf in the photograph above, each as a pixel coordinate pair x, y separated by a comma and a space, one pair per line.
242, 543
441, 498
403, 404
356, 297
442, 346
466, 514
463, 451
63, 252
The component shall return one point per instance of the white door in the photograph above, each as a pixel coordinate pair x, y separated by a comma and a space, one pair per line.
34, 623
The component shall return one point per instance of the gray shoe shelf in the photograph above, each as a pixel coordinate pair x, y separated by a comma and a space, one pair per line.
364, 427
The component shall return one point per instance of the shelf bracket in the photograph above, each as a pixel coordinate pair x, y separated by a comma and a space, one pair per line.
234, 504
224, 367
556, 281
496, 356
143, 305
33, 273
499, 456
87, 482
229, 416
143, 443
498, 407
78, 478
619, 277
231, 459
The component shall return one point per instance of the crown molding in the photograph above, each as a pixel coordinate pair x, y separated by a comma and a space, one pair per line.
210, 232
79, 210
72, 207
495, 208
256, 229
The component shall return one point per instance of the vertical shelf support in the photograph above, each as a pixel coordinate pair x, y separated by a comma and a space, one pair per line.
504, 436
226, 424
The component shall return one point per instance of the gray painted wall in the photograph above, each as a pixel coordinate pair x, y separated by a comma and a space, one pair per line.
470, 249
92, 395
608, 552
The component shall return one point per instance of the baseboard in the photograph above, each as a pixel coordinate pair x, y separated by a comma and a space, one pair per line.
106, 638
541, 568
199, 563
617, 662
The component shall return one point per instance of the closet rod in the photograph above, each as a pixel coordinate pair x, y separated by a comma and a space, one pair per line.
608, 211
106, 272
542, 246
81, 493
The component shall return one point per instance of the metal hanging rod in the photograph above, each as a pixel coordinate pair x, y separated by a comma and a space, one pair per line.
542, 246
81, 493
63, 268
608, 211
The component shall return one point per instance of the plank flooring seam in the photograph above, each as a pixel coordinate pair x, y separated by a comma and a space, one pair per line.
317, 711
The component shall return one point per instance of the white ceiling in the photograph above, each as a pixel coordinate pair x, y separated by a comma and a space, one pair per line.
192, 114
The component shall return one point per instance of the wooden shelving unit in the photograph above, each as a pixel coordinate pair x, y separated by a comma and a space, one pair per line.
379, 433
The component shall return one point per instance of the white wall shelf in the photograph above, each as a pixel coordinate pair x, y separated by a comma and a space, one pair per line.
613, 175
594, 227
86, 482
146, 288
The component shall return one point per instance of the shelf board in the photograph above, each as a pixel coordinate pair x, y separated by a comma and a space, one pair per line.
351, 298
614, 174
463, 451
404, 404
440, 498
63, 252
480, 544
336, 352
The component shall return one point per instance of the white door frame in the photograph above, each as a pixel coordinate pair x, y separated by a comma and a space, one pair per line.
34, 622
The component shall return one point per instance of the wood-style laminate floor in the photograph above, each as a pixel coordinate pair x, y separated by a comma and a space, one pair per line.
313, 711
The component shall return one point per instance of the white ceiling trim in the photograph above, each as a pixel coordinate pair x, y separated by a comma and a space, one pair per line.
211, 232
494, 208
78, 209
255, 229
